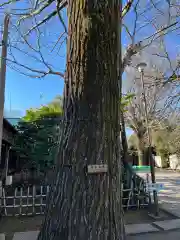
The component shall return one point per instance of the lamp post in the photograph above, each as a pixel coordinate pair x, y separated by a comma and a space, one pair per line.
141, 68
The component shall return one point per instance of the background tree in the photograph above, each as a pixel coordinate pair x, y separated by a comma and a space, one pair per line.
165, 139
174, 141
153, 49
171, 137
38, 136
159, 85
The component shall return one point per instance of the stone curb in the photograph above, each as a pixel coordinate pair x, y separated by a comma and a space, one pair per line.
156, 226
168, 224
133, 229
166, 208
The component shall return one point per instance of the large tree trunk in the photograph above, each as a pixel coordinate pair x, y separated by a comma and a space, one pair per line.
83, 206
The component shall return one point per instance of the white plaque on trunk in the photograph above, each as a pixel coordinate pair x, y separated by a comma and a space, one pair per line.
103, 168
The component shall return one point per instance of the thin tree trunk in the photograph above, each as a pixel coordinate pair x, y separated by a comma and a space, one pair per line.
123, 136
83, 206
128, 172
140, 148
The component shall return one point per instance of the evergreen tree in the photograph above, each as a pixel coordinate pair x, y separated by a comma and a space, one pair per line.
38, 136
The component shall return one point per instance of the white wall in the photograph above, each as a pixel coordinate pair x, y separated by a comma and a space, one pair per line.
174, 161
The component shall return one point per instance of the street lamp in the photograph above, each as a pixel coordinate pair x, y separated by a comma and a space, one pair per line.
141, 67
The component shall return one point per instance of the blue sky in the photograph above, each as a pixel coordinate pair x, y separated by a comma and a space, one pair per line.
23, 92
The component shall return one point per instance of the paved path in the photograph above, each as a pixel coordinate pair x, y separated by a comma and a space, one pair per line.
174, 235
170, 195
161, 235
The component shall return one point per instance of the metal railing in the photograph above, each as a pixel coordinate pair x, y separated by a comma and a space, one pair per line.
31, 200
137, 196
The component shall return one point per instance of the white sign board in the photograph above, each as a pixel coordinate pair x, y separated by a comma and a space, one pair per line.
155, 186
103, 168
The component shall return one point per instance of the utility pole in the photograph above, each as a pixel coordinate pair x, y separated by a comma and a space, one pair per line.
3, 75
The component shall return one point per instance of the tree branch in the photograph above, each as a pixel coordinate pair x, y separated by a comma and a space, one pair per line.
41, 22
59, 15
128, 32
131, 51
127, 7
36, 12
43, 73
134, 49
57, 41
39, 59
9, 2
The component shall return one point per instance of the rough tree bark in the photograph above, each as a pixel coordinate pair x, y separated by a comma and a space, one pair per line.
83, 206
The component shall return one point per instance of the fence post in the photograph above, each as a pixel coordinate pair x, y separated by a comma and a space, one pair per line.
0, 193
33, 198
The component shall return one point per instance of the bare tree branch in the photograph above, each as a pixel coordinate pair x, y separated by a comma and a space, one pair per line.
9, 2
43, 73
155, 6
131, 51
58, 41
39, 59
36, 12
127, 7
135, 21
41, 22
134, 49
159, 32
128, 32
59, 15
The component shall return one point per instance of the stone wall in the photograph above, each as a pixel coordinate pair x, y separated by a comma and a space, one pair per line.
174, 162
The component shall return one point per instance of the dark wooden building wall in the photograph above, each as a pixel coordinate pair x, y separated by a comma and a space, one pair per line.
8, 137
